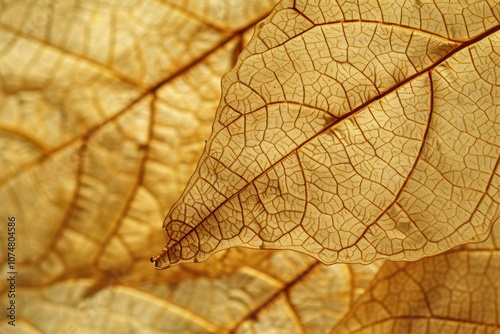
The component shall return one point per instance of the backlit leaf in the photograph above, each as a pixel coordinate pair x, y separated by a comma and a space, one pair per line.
104, 109
352, 132
456, 292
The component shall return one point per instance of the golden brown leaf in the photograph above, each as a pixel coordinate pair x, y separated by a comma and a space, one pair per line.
100, 128
286, 291
456, 292
104, 112
351, 132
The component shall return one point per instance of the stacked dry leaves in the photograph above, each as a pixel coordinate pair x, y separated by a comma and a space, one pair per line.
356, 131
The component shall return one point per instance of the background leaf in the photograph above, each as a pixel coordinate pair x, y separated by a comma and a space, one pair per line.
453, 292
104, 109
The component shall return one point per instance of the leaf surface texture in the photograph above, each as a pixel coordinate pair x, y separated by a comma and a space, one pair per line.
351, 132
104, 110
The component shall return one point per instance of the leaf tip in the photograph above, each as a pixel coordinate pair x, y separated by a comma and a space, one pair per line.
158, 263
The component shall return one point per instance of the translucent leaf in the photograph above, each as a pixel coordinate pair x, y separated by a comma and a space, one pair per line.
104, 108
451, 293
351, 132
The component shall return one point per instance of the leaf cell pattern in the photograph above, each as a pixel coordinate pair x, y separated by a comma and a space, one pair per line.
104, 108
351, 132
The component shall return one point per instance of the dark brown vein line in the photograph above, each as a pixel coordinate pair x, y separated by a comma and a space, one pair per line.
417, 159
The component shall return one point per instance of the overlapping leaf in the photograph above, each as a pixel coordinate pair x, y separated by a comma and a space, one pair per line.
352, 131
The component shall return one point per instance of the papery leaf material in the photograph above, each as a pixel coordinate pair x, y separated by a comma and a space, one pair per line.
352, 132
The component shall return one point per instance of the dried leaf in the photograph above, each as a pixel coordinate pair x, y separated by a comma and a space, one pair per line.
104, 112
451, 293
288, 287
352, 132
100, 128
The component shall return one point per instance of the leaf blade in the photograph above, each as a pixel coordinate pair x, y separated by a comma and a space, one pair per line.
248, 148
